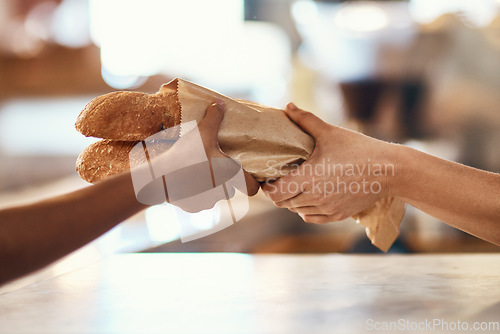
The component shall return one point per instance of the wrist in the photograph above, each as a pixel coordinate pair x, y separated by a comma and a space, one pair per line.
398, 157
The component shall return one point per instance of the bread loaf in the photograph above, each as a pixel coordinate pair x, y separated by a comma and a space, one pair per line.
106, 158
129, 116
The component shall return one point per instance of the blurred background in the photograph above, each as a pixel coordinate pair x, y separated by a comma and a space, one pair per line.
425, 73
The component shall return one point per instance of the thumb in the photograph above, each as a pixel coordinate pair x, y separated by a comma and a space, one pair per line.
210, 124
305, 120
209, 128
214, 115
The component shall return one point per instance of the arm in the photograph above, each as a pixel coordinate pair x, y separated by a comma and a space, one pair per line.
348, 171
32, 236
461, 196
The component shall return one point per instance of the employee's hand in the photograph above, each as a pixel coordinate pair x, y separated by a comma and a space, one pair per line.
346, 173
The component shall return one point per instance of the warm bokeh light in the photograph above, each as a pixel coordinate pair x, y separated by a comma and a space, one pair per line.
479, 13
142, 38
39, 20
162, 223
361, 17
343, 40
42, 126
207, 42
70, 24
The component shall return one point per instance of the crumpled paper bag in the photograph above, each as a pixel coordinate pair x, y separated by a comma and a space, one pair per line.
268, 145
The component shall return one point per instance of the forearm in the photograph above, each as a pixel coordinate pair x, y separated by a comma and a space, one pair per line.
35, 235
458, 195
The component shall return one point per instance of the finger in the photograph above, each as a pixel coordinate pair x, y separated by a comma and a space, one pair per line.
307, 210
316, 219
282, 189
214, 115
305, 198
227, 171
268, 186
306, 120
252, 184
299, 200
249, 187
210, 124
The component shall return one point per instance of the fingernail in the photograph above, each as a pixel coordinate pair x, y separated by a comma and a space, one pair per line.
291, 106
219, 102
219, 105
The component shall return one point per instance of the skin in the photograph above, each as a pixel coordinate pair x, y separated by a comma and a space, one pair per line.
35, 235
461, 196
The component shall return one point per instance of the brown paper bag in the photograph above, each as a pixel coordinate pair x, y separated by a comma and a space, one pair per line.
268, 145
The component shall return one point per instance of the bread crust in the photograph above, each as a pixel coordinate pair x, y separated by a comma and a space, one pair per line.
103, 159
106, 157
129, 116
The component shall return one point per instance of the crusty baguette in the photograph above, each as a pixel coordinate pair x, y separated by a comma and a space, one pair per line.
106, 158
103, 159
129, 116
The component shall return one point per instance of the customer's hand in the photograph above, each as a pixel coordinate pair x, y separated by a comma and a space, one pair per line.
209, 128
194, 174
345, 174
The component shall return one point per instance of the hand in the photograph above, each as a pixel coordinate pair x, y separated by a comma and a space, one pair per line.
209, 128
194, 174
346, 173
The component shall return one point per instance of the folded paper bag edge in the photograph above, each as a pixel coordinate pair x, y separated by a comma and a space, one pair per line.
382, 221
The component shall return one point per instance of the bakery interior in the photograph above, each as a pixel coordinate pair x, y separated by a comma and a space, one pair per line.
422, 73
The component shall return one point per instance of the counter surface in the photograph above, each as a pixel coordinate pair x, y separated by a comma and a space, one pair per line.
238, 293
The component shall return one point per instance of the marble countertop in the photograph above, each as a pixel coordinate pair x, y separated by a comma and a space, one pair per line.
239, 293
